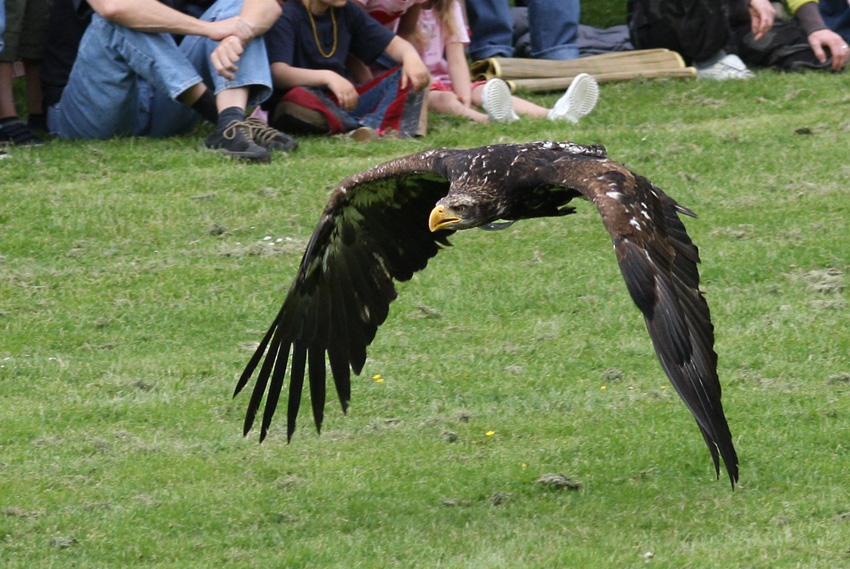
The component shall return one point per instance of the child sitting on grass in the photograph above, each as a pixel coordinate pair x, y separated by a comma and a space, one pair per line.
443, 35
308, 48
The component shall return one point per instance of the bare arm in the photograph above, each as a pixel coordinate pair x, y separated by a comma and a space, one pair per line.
413, 68
285, 76
256, 17
459, 72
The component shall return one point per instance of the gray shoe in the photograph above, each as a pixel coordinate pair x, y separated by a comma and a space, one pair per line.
270, 138
235, 141
723, 66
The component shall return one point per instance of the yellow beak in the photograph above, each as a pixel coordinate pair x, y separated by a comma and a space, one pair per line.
440, 219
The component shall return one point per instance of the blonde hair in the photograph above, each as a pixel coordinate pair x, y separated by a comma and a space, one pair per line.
446, 14
444, 9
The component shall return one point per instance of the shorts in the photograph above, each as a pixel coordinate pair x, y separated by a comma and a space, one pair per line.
26, 30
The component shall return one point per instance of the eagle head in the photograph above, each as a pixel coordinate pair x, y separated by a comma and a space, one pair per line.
461, 212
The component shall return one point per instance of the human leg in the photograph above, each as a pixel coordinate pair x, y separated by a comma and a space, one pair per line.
553, 28
254, 72
697, 29
118, 70
836, 15
2, 23
447, 102
25, 26
385, 106
492, 32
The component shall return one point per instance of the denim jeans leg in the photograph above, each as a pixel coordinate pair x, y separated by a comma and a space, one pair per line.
492, 30
102, 98
553, 28
2, 22
372, 104
254, 71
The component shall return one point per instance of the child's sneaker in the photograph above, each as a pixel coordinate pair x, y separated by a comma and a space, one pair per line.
577, 101
497, 101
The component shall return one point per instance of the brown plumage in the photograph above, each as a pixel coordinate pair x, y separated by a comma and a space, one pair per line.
384, 224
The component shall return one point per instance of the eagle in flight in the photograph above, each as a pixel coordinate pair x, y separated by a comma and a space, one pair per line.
384, 224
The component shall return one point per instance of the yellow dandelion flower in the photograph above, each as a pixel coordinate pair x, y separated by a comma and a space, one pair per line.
525, 465
663, 387
491, 433
604, 387
378, 378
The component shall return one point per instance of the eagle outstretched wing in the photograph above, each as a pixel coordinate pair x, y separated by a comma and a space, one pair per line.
659, 261
375, 230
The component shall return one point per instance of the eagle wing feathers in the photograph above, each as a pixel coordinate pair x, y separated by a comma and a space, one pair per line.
370, 234
375, 231
658, 261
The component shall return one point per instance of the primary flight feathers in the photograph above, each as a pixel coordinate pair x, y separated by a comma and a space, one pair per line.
384, 224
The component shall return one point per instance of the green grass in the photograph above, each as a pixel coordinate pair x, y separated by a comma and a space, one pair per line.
135, 278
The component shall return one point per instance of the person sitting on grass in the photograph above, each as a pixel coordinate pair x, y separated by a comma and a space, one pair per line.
443, 34
132, 78
316, 94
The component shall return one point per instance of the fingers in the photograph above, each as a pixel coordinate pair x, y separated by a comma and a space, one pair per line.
225, 57
840, 57
762, 14
347, 97
821, 40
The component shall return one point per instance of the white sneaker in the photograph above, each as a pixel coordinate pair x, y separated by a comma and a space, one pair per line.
577, 101
497, 101
723, 66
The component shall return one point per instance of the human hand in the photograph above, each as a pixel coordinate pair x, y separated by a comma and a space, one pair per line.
226, 56
826, 38
415, 73
344, 91
762, 14
236, 26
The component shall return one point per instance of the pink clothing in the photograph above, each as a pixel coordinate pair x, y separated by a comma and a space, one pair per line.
388, 11
436, 39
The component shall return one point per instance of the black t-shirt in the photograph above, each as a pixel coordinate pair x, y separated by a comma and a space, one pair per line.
68, 22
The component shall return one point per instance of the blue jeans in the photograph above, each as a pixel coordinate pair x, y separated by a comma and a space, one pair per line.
2, 22
552, 24
125, 82
836, 15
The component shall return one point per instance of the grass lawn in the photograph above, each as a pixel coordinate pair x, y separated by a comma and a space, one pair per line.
137, 275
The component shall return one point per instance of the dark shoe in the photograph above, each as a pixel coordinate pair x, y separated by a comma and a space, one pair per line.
270, 138
292, 117
236, 141
18, 133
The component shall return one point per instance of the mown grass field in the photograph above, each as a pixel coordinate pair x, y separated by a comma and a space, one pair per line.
136, 276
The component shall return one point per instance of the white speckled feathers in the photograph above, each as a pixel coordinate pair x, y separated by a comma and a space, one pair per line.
375, 231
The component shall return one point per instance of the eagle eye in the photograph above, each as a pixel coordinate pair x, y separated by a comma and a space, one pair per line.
459, 208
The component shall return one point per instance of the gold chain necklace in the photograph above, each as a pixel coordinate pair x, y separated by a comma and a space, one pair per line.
316, 34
